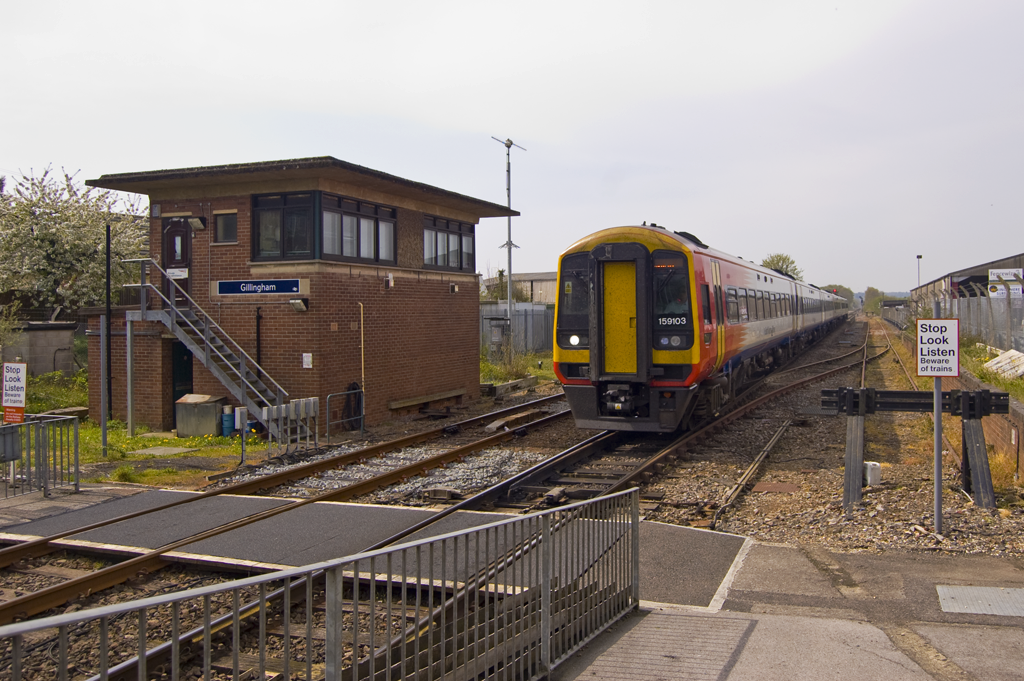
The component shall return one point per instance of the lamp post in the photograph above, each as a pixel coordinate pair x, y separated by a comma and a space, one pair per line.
508, 244
919, 271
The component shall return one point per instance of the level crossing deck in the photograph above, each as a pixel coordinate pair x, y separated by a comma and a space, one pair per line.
714, 606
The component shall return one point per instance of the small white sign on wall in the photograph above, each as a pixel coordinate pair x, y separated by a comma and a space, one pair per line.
307, 360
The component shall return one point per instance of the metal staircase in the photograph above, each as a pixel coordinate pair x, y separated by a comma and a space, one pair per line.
211, 345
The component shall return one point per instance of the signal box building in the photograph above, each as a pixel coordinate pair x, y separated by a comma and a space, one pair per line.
307, 277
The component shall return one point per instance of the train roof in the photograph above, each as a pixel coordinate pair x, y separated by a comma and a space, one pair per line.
695, 244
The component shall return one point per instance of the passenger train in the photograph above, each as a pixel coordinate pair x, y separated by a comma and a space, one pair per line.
653, 326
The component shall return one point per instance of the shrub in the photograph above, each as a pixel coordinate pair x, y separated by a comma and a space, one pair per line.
124, 473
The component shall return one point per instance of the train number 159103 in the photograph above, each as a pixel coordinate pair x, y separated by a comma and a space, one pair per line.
671, 321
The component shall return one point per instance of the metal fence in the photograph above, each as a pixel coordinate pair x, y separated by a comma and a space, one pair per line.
533, 326
351, 414
39, 454
998, 322
508, 600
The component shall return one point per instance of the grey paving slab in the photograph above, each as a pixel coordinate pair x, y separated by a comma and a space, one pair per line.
684, 565
987, 652
981, 600
678, 647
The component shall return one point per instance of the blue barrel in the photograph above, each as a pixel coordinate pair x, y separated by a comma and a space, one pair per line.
227, 424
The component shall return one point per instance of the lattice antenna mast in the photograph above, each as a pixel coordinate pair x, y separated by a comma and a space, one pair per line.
508, 244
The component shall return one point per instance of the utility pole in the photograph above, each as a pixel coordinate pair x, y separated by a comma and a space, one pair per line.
508, 244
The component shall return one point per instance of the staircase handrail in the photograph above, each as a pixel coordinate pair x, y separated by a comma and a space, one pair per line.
223, 335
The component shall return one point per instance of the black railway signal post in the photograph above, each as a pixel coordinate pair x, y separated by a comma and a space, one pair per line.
937, 356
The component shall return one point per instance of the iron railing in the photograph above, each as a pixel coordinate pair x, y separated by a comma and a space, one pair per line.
352, 412
39, 454
238, 361
507, 600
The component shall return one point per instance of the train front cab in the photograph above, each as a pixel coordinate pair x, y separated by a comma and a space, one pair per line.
624, 339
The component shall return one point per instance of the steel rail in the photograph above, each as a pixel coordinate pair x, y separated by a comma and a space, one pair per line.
737, 489
41, 546
647, 468
40, 601
425, 465
505, 487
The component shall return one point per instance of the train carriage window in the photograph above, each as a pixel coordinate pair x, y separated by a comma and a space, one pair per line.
752, 304
573, 322
705, 301
761, 313
744, 311
672, 310
775, 305
732, 306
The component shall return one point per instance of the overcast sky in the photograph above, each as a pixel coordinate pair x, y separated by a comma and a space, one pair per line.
851, 135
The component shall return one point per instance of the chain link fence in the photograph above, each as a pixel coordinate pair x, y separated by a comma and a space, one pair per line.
995, 321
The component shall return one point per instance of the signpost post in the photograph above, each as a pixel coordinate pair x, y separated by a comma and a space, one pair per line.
938, 355
15, 389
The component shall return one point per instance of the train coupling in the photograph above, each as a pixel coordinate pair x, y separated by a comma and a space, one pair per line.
618, 399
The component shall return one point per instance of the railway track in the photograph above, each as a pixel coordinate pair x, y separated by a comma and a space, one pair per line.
613, 461
28, 605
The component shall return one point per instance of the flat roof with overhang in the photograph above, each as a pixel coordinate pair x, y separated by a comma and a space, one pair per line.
318, 173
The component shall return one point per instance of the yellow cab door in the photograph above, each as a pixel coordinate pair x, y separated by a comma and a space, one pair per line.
620, 318
623, 320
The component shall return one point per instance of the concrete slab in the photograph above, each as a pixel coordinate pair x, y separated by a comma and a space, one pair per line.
784, 648
684, 565
163, 451
991, 653
782, 570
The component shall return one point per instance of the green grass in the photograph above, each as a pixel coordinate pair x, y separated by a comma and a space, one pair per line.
973, 359
120, 446
519, 366
56, 391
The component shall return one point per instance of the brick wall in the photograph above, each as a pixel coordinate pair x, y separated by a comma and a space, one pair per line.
1002, 431
152, 370
420, 338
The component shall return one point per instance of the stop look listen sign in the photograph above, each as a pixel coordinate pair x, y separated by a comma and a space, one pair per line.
938, 347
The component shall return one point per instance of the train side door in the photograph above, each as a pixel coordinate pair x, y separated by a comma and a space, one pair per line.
718, 323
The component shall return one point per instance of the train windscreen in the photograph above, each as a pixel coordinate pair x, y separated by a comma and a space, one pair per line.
574, 302
673, 316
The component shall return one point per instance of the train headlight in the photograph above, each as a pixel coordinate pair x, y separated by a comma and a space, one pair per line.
676, 341
663, 340
574, 340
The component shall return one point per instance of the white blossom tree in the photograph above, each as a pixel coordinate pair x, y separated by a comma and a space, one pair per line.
53, 241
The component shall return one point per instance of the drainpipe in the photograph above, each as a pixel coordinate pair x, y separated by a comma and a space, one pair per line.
362, 362
259, 344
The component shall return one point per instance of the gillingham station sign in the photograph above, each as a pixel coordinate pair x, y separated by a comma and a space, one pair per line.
938, 347
257, 287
